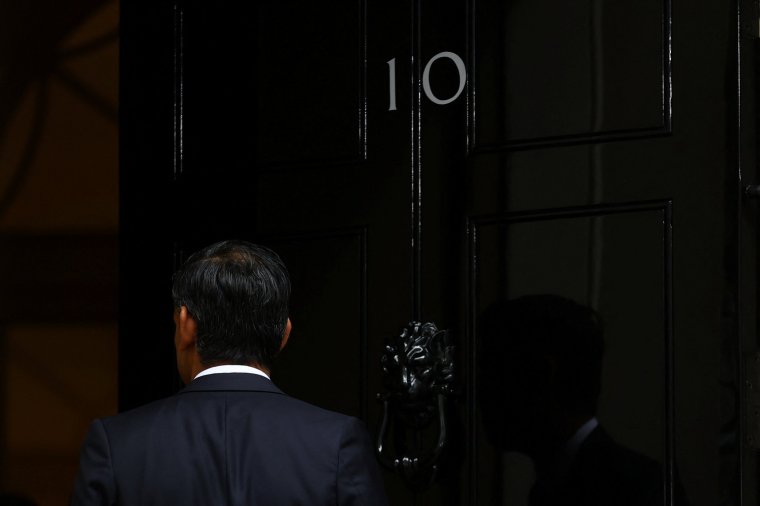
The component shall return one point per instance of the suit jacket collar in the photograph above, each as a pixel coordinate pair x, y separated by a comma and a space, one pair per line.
231, 382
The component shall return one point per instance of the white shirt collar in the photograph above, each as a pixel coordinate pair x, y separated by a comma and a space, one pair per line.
228, 368
575, 442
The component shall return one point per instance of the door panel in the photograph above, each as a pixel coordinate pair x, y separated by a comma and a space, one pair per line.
313, 58
558, 70
636, 170
560, 252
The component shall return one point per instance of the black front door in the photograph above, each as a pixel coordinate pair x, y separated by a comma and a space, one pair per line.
428, 161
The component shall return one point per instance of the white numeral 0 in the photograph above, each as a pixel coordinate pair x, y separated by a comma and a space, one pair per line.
426, 77
426, 80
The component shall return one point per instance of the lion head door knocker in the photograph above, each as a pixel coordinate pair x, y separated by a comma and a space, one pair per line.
418, 373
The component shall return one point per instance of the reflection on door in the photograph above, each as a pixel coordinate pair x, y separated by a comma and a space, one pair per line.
572, 402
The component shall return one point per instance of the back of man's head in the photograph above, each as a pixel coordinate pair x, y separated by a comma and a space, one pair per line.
237, 293
547, 327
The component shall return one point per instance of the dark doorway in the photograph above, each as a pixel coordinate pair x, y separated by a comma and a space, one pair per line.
428, 161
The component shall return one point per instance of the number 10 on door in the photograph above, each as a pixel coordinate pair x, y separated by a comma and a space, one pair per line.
426, 79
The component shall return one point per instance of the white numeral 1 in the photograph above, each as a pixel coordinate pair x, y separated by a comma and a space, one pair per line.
392, 84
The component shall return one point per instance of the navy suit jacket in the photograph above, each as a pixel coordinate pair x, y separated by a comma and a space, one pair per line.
228, 439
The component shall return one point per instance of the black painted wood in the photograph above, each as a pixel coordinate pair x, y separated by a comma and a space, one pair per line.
271, 123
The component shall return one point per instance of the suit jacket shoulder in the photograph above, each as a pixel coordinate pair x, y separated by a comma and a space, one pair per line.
231, 439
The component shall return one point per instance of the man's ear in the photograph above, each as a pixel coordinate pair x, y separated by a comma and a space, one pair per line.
187, 329
286, 335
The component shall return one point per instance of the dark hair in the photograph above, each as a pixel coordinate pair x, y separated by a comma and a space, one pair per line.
535, 326
237, 293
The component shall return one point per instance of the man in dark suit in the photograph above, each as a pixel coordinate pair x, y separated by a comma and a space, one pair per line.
231, 437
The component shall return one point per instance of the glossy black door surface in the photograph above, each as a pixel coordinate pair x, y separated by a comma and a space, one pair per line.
430, 161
